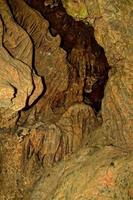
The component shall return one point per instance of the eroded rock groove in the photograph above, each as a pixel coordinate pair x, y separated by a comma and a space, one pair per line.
89, 66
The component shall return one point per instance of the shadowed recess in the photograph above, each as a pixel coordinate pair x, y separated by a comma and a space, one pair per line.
83, 52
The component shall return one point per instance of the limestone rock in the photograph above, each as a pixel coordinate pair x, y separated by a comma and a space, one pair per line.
92, 173
50, 59
50, 143
18, 81
10, 166
76, 8
113, 30
15, 177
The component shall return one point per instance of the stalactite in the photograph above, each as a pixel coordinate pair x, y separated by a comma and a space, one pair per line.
86, 57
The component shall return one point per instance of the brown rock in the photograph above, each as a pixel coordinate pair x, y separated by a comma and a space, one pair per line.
113, 30
93, 173
52, 142
50, 59
18, 82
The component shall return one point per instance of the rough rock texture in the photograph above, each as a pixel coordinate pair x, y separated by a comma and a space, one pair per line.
106, 173
19, 85
65, 83
50, 143
50, 61
112, 22
96, 172
59, 130
76, 8
15, 175
28, 152
92, 174
88, 72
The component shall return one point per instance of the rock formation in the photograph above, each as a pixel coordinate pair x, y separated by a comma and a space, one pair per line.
91, 174
53, 145
49, 58
88, 70
110, 20
18, 82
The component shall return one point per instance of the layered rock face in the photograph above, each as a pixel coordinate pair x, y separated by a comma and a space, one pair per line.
92, 174
109, 19
88, 70
44, 121
50, 60
19, 85
113, 31
46, 131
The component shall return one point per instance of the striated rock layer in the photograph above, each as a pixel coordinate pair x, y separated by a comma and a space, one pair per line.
48, 130
91, 174
112, 22
88, 72
28, 152
51, 142
50, 59
19, 85
104, 173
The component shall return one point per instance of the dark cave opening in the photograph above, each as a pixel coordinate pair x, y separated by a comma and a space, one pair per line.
83, 52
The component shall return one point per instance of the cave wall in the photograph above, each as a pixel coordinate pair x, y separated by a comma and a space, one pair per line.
19, 84
113, 30
42, 136
92, 173
64, 126
49, 59
26, 151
